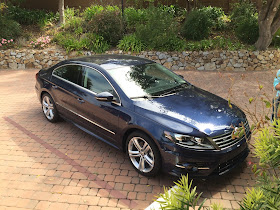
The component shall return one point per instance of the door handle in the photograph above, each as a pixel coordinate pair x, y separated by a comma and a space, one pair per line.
80, 100
54, 86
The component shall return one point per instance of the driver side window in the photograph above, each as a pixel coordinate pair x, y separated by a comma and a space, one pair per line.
96, 82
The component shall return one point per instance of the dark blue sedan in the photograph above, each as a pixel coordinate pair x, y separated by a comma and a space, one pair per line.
160, 120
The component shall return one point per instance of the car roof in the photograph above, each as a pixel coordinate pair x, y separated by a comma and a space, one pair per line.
108, 62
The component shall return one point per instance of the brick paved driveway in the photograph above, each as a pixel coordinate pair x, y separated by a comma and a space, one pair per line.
58, 166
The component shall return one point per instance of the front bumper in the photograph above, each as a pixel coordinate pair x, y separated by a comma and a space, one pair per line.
180, 161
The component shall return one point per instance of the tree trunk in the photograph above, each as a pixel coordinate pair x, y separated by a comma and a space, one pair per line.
61, 12
269, 22
265, 36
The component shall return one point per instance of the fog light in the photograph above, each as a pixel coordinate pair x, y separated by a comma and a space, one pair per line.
189, 167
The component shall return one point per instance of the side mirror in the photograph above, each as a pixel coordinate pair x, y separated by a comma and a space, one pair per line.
181, 76
104, 96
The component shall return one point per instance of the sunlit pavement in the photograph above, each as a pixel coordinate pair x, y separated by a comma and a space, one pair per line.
58, 166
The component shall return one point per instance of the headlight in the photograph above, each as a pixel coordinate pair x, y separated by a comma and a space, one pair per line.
189, 141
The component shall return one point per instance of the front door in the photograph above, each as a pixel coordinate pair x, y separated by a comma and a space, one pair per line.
102, 117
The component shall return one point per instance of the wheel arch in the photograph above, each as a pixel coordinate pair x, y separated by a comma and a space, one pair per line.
43, 92
134, 129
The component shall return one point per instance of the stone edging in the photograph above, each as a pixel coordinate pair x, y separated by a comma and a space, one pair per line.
203, 60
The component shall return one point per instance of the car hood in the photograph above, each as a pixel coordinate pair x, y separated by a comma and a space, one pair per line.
192, 109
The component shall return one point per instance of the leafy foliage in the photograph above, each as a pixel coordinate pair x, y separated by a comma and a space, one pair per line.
131, 43
175, 10
247, 30
88, 41
159, 31
9, 29
263, 197
266, 195
253, 199
241, 10
94, 43
215, 43
6, 44
29, 17
182, 196
216, 15
90, 12
67, 41
244, 18
41, 42
108, 24
200, 22
197, 25
134, 17
267, 147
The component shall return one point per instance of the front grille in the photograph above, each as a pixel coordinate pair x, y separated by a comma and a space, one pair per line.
226, 140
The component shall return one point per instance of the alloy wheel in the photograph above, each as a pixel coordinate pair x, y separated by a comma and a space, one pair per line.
141, 154
48, 107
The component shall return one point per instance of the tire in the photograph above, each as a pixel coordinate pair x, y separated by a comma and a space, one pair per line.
143, 154
49, 108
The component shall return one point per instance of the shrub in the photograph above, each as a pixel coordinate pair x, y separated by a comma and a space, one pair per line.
71, 13
41, 42
182, 196
197, 25
276, 39
131, 43
90, 12
241, 10
68, 41
216, 16
28, 17
244, 18
94, 43
3, 7
73, 22
266, 195
5, 44
175, 10
9, 29
159, 31
134, 17
226, 44
199, 22
88, 41
75, 25
215, 43
107, 24
247, 30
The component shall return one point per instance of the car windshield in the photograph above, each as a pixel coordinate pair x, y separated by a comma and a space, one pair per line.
147, 80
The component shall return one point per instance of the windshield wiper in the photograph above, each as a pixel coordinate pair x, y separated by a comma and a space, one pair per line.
145, 97
165, 92
175, 89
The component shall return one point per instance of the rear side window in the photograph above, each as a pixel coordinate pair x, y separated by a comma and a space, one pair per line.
69, 72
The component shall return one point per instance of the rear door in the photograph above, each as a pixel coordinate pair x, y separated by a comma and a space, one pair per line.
66, 90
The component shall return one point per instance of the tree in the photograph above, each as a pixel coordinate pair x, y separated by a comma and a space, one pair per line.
191, 4
61, 12
269, 22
